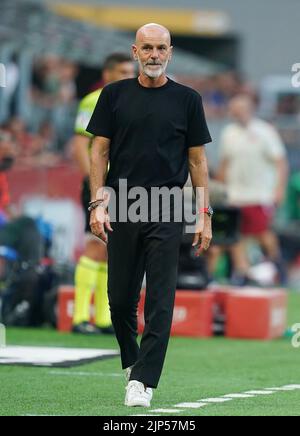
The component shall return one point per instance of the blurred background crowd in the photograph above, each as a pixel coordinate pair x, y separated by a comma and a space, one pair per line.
53, 53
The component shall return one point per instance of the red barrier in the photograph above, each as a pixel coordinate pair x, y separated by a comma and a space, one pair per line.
249, 313
192, 314
66, 308
256, 314
63, 181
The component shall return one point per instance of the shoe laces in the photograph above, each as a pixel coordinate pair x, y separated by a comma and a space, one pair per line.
136, 386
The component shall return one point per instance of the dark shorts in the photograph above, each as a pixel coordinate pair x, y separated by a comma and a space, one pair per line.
256, 220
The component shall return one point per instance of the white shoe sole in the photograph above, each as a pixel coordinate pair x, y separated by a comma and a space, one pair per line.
137, 403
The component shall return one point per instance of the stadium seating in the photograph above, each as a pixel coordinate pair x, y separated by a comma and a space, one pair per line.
34, 26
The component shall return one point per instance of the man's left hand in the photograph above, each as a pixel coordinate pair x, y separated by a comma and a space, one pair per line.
203, 238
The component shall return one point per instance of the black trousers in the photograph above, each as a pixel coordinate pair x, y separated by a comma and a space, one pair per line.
135, 249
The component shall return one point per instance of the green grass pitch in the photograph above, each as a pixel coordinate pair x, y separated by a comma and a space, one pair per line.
194, 369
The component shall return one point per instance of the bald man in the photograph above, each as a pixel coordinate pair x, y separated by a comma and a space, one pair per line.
152, 131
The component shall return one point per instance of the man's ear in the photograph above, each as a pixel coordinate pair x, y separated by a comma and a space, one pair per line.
171, 53
134, 52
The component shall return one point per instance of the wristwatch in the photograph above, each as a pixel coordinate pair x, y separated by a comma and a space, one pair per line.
208, 210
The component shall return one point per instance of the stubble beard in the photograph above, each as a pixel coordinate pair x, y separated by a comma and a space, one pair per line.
149, 72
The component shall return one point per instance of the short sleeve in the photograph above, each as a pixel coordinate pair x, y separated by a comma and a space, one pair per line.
101, 122
275, 148
197, 133
82, 119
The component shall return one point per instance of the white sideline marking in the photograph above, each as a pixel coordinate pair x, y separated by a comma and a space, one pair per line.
228, 397
260, 392
166, 411
280, 389
285, 388
215, 400
50, 356
85, 374
191, 405
144, 415
40, 415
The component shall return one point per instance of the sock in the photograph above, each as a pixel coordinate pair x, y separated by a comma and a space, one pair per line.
102, 312
85, 281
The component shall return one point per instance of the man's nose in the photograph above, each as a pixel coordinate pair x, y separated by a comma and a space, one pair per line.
154, 54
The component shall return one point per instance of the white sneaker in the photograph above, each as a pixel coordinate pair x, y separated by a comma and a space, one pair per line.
137, 395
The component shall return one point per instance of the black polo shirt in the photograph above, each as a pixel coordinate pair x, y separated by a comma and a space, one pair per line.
151, 130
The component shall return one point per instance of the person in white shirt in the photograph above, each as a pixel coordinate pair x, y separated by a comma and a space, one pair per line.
254, 168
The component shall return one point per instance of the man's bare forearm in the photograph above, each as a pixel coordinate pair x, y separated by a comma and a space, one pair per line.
99, 166
199, 175
198, 168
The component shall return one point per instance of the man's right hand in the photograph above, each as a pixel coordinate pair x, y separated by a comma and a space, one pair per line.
100, 222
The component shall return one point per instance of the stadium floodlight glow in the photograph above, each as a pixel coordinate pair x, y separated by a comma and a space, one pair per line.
2, 76
2, 336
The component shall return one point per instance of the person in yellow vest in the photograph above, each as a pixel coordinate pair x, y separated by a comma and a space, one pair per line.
91, 270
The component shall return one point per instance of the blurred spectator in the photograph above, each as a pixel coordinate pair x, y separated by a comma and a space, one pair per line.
42, 149
254, 169
67, 89
218, 90
12, 79
46, 81
7, 155
288, 105
54, 95
22, 138
33, 149
9, 92
221, 88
